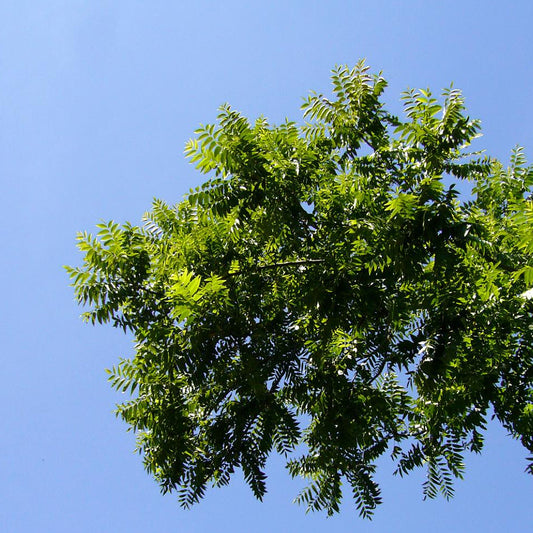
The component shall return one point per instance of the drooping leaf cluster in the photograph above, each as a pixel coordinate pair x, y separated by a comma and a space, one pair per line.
327, 294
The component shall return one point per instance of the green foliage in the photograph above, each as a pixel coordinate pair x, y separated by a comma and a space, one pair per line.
327, 294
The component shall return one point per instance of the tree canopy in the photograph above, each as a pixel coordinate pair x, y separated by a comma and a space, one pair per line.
355, 286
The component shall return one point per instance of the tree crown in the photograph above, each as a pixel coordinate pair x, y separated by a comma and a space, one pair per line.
327, 294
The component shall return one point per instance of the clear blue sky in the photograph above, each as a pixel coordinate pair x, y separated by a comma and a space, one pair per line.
96, 102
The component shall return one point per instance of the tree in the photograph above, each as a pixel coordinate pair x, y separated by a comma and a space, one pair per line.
327, 294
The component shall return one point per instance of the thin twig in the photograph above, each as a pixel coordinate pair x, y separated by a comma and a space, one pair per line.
299, 262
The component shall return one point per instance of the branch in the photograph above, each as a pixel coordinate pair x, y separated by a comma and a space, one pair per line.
366, 141
291, 263
395, 436
379, 370
298, 262
276, 382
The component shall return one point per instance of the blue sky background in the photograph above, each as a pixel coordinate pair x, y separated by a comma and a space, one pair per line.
96, 102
